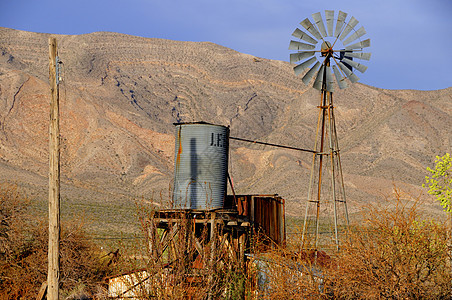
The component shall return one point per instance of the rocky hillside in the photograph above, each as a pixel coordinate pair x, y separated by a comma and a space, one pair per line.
121, 95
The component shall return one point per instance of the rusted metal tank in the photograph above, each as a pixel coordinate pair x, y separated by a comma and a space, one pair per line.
201, 166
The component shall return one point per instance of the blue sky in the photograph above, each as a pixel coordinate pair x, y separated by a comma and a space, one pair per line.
411, 39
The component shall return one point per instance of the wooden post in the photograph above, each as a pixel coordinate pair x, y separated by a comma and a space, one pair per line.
213, 233
53, 274
242, 246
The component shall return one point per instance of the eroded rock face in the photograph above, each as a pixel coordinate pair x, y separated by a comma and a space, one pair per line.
121, 94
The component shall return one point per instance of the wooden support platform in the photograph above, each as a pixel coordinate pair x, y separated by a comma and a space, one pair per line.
199, 252
230, 228
202, 244
206, 232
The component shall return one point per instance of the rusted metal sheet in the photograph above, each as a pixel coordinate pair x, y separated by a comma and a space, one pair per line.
266, 213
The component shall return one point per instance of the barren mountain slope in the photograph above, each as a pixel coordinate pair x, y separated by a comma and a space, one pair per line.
121, 94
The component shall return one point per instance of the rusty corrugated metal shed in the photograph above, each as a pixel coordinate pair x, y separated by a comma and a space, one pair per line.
266, 213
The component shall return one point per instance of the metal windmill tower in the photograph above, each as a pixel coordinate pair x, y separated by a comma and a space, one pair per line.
338, 52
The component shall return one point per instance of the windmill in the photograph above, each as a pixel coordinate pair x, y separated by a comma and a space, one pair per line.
322, 52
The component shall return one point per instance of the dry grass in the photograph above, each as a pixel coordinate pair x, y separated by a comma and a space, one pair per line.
394, 254
23, 252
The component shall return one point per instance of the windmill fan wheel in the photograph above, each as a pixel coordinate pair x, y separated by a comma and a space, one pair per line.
339, 50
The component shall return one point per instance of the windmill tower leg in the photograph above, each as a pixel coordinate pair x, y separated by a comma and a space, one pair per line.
326, 202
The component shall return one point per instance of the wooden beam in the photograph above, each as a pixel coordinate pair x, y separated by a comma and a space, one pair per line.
198, 246
42, 291
152, 237
229, 249
167, 238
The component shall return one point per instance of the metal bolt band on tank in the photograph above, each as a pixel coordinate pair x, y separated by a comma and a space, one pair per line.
320, 52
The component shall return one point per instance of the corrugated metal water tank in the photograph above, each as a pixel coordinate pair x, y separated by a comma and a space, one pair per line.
201, 166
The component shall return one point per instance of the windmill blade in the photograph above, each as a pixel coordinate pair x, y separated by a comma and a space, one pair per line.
304, 36
318, 83
311, 28
294, 57
329, 79
300, 46
348, 28
359, 45
319, 22
355, 36
350, 75
339, 78
308, 76
303, 66
360, 55
354, 64
329, 16
340, 22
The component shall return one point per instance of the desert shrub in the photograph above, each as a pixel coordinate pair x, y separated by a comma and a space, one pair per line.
440, 181
391, 253
290, 271
395, 254
23, 251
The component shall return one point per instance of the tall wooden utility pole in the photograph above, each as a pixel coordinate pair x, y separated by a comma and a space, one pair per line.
53, 274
